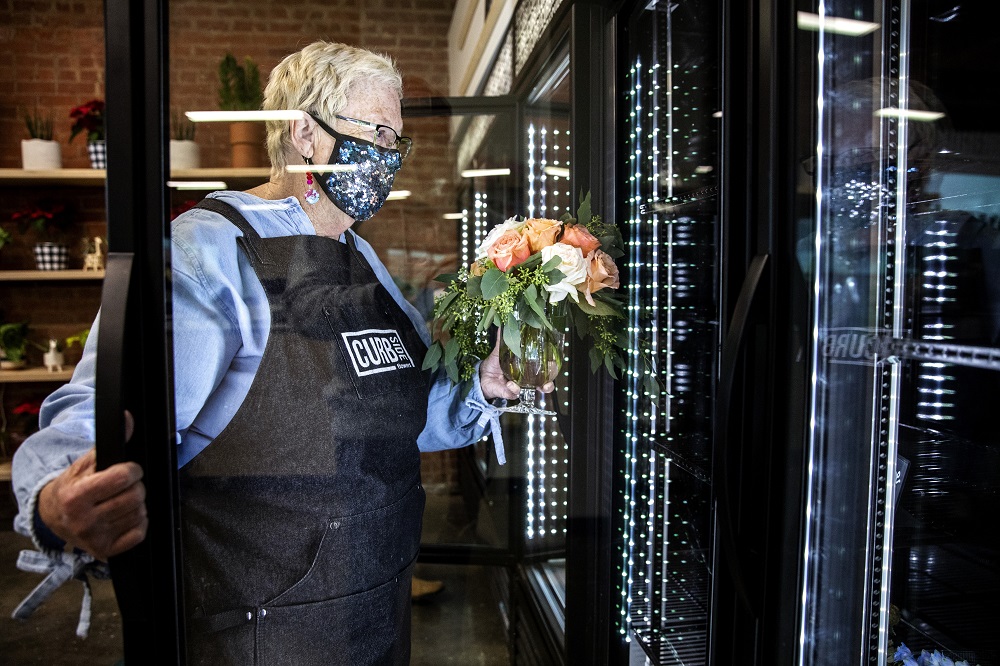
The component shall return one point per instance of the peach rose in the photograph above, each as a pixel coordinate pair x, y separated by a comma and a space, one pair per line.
541, 232
601, 272
476, 269
578, 236
495, 233
509, 250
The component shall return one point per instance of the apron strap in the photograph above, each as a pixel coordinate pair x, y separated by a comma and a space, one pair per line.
251, 239
213, 624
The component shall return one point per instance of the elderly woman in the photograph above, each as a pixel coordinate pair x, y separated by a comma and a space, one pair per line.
301, 407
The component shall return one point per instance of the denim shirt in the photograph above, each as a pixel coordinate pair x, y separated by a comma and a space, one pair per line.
221, 321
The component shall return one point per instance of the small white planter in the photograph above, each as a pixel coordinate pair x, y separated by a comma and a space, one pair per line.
184, 155
41, 154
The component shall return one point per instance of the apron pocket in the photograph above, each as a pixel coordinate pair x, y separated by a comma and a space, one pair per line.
361, 551
371, 627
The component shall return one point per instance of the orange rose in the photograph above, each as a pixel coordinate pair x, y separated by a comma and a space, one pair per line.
509, 250
601, 272
476, 269
578, 236
541, 232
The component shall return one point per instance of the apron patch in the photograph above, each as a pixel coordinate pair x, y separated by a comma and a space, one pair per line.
376, 350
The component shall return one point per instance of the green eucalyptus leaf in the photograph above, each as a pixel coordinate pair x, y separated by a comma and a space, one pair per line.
451, 351
486, 320
595, 359
555, 276
551, 264
599, 309
452, 370
432, 357
581, 324
535, 299
651, 385
531, 261
609, 365
447, 278
474, 287
583, 213
512, 336
447, 300
494, 283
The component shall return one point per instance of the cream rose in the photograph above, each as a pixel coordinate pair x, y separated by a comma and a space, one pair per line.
602, 272
573, 266
495, 233
541, 232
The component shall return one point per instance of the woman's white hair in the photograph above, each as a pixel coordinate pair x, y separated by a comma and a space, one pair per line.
319, 79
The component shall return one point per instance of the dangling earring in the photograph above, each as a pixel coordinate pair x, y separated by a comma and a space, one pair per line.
312, 196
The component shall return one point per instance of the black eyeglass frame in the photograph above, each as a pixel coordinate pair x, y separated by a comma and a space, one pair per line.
402, 144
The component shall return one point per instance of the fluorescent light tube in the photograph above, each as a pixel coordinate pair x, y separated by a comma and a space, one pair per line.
472, 173
241, 116
910, 114
196, 184
839, 26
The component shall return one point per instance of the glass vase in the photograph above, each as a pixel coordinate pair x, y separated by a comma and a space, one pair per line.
537, 362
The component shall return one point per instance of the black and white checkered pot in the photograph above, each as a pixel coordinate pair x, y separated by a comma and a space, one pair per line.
51, 256
98, 154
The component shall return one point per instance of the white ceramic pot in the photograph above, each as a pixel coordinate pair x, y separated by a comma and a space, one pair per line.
184, 155
41, 154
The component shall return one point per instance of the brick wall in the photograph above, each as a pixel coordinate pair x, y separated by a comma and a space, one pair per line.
53, 55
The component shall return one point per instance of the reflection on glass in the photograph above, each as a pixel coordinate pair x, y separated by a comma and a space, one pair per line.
905, 193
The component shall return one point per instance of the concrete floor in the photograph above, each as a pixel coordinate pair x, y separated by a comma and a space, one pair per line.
460, 625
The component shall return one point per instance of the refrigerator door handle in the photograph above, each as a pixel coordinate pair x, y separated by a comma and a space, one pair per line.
732, 349
111, 351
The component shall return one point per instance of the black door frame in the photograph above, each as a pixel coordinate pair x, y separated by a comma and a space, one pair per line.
134, 352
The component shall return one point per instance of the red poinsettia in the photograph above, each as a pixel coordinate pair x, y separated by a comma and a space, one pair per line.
89, 118
31, 407
42, 217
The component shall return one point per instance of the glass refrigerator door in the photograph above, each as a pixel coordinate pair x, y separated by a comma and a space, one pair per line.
672, 147
900, 202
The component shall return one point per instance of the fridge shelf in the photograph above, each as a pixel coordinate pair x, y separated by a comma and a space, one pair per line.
921, 350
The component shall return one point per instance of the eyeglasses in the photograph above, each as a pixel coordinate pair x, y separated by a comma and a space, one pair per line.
383, 136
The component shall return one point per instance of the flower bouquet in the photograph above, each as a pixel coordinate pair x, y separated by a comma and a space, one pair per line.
535, 279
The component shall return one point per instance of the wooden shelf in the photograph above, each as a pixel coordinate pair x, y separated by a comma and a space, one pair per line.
96, 177
35, 375
88, 177
5, 466
33, 276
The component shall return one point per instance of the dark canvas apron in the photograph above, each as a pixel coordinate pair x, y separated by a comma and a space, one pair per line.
302, 518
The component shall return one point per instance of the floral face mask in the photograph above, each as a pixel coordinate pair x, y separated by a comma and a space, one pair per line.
362, 188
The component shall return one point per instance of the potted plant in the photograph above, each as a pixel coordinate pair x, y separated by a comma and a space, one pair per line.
48, 221
240, 90
40, 151
5, 237
184, 153
14, 345
89, 119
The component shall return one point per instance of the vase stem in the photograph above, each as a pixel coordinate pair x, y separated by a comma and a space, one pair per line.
527, 396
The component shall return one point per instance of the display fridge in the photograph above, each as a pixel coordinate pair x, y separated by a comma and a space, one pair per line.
811, 195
